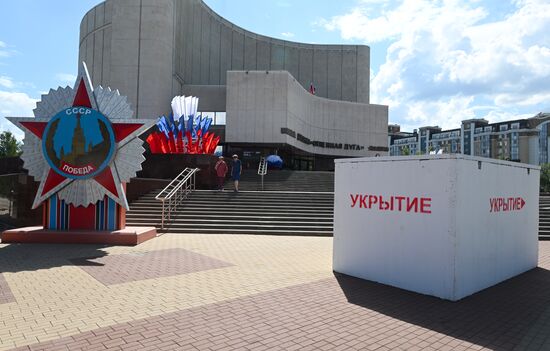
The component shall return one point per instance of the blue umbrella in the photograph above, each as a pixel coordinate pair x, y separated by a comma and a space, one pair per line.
274, 161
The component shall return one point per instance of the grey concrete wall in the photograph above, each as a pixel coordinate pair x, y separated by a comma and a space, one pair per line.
259, 104
128, 45
207, 46
152, 50
212, 98
95, 42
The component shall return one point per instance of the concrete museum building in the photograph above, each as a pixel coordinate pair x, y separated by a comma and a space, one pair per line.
257, 89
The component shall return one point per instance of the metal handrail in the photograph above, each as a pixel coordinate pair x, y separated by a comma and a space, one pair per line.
175, 192
262, 169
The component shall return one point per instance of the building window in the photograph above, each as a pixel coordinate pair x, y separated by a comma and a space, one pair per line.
503, 127
220, 118
543, 144
514, 126
208, 114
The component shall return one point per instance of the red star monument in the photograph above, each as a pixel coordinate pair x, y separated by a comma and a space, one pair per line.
82, 170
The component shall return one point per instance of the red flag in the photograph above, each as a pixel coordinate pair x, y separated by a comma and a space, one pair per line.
312, 89
179, 143
205, 142
189, 142
214, 145
171, 143
157, 143
153, 144
164, 147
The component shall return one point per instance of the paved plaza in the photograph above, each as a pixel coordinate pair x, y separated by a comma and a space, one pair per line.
233, 292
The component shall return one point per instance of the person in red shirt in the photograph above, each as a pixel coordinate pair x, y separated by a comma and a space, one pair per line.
221, 170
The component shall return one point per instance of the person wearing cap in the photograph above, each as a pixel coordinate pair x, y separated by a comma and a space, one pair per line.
236, 170
221, 170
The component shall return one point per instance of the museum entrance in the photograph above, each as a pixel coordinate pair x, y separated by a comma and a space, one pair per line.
303, 163
293, 158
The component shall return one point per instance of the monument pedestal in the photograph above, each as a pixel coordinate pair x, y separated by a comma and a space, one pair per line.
129, 236
446, 225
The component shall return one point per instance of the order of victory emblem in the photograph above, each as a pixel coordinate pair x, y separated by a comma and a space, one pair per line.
82, 144
78, 143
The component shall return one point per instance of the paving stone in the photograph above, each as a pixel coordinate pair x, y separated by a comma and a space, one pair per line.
289, 299
124, 268
6, 295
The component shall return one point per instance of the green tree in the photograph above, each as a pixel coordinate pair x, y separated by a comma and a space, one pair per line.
9, 146
405, 151
545, 178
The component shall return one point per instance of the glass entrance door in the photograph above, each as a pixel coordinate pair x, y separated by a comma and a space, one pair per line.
302, 163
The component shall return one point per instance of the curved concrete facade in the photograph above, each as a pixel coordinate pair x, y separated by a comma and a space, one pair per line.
153, 50
272, 108
207, 46
128, 45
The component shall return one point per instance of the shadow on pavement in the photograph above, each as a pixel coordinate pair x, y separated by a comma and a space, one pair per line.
30, 257
497, 318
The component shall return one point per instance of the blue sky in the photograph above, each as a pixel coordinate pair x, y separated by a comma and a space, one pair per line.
433, 62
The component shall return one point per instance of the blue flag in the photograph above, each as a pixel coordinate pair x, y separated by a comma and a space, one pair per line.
172, 125
162, 125
197, 126
206, 126
190, 124
181, 125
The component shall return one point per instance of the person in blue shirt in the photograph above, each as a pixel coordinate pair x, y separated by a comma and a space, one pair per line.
236, 170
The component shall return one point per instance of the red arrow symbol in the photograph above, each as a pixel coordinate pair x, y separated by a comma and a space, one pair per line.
521, 203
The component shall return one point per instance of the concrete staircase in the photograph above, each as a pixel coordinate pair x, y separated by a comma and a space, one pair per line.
544, 217
284, 180
280, 210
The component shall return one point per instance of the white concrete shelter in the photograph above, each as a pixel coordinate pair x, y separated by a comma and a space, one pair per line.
442, 225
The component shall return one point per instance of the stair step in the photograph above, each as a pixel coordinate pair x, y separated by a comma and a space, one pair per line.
249, 222
227, 209
291, 203
255, 194
251, 232
235, 211
189, 203
229, 206
138, 217
243, 201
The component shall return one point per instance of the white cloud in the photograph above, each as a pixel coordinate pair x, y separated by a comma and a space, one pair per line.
4, 50
6, 82
288, 34
443, 113
445, 56
66, 78
15, 105
13, 102
283, 4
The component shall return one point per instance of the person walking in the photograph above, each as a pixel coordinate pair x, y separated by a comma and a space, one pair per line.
221, 171
236, 170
